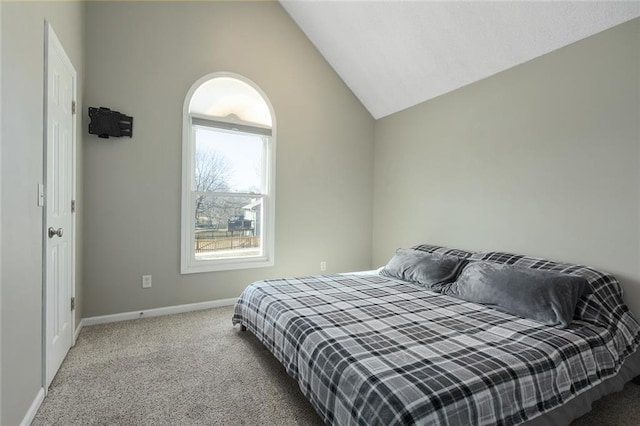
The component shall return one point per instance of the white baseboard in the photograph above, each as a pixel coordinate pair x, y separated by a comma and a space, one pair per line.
168, 310
78, 329
31, 414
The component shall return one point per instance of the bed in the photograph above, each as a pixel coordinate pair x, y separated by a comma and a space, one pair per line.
369, 349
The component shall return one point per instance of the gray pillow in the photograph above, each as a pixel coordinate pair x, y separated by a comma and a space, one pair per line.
544, 296
433, 271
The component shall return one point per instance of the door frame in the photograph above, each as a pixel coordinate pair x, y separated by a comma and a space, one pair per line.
52, 42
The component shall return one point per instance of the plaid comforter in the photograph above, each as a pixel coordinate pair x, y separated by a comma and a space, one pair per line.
372, 350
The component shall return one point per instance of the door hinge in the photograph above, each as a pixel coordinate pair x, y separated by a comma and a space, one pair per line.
73, 303
73, 107
73, 206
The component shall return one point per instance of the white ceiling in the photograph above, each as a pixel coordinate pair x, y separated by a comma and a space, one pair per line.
395, 54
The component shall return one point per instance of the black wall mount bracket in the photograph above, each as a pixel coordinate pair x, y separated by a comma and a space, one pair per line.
106, 123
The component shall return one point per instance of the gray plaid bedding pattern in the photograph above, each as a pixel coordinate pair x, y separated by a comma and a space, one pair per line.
372, 350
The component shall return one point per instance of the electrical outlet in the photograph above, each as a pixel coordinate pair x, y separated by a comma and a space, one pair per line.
323, 266
146, 281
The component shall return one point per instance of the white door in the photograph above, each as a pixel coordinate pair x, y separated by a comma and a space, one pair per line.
59, 190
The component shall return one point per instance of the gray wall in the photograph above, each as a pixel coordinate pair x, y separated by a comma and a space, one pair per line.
141, 59
22, 167
542, 159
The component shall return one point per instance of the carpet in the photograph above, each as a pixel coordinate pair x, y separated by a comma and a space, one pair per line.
197, 369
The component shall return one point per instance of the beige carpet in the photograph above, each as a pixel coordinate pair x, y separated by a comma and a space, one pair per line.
195, 368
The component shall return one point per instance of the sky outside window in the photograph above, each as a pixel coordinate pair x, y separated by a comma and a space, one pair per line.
242, 153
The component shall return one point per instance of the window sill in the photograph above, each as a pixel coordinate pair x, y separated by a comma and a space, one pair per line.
199, 266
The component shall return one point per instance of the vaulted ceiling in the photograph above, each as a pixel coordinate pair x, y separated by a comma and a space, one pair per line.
395, 54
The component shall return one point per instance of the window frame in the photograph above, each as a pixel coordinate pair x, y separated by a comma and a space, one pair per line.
188, 262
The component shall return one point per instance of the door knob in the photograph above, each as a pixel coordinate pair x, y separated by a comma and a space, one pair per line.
53, 232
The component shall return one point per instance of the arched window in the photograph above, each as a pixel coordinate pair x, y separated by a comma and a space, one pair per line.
228, 175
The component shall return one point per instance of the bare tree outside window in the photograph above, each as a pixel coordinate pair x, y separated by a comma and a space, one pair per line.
211, 174
222, 221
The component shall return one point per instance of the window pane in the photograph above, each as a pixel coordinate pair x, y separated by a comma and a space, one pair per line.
228, 161
228, 97
227, 227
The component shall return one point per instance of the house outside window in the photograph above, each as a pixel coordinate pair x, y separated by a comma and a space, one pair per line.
228, 176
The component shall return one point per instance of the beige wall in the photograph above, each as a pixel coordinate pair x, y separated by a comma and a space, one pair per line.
141, 60
22, 170
542, 159
1, 139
